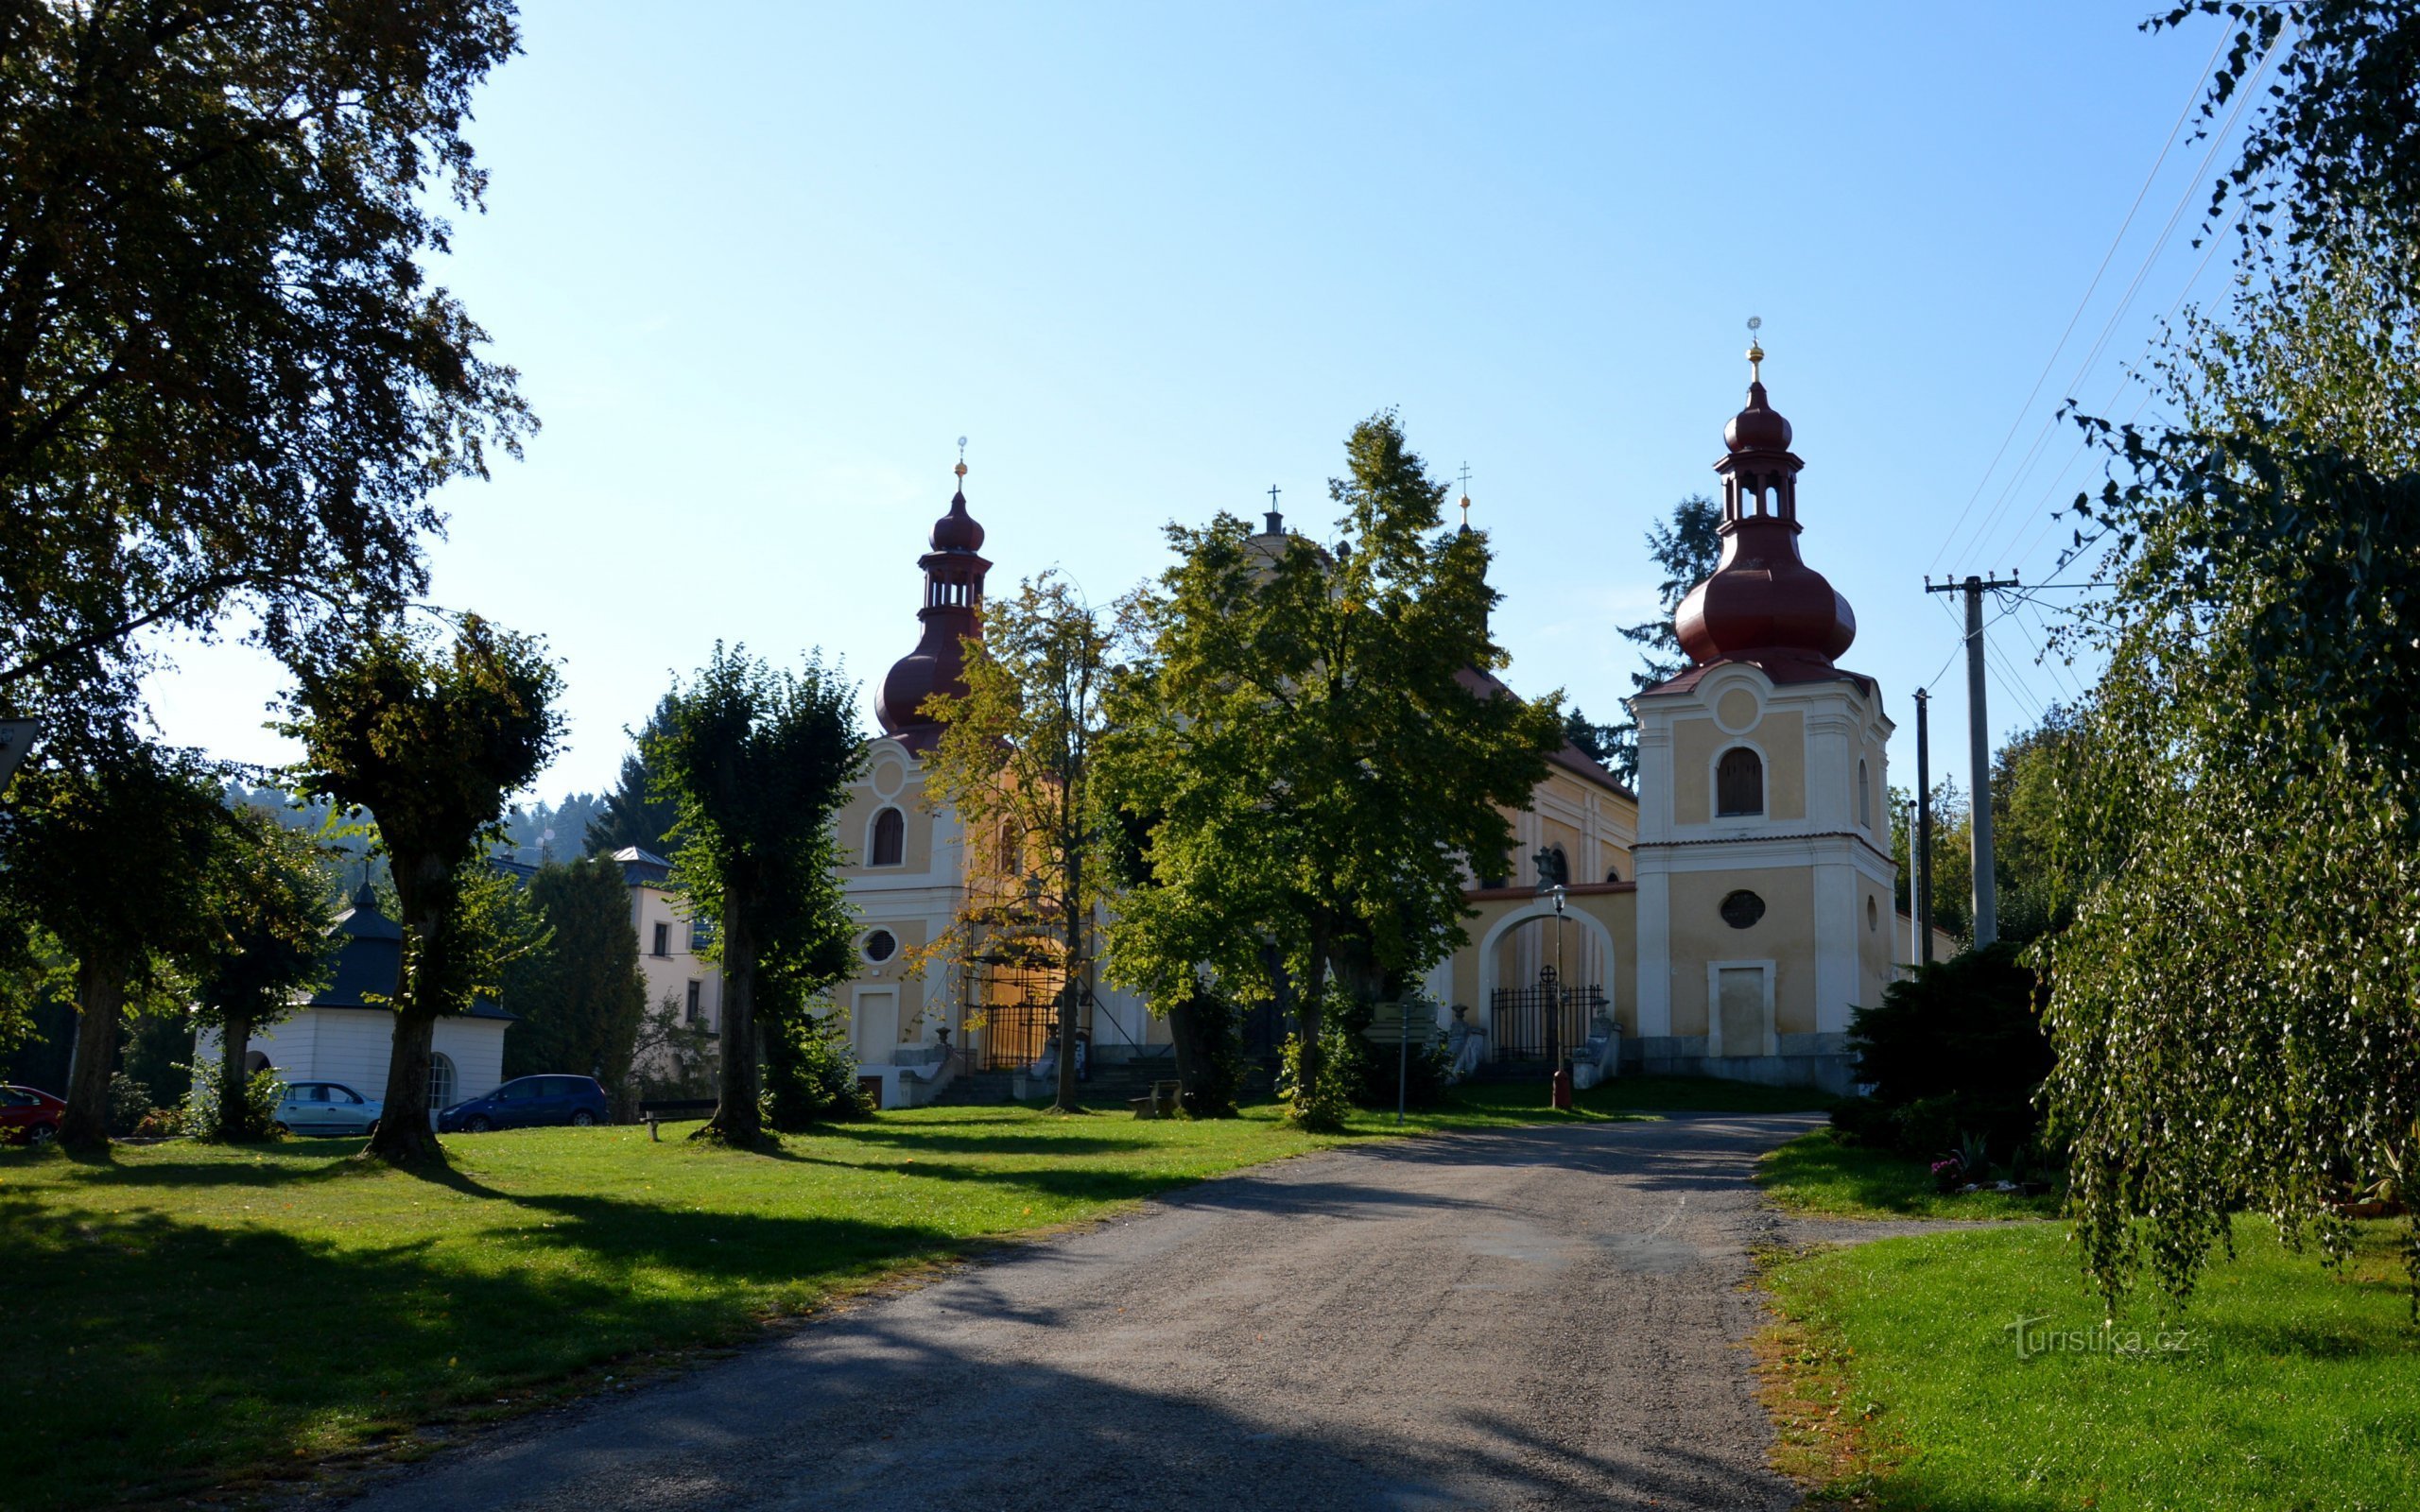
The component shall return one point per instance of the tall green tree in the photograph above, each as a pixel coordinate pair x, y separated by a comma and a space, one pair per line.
760, 762
432, 738
1015, 761
582, 998
273, 945
115, 862
225, 377
1687, 548
636, 812
1307, 727
2233, 1005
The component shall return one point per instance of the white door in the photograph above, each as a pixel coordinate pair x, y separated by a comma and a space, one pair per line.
876, 1025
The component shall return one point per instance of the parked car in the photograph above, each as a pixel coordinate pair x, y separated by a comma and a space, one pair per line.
28, 1117
527, 1102
326, 1107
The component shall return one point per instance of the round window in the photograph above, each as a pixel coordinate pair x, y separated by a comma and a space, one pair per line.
881, 945
1742, 908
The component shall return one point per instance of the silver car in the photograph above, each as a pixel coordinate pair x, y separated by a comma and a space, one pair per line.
326, 1107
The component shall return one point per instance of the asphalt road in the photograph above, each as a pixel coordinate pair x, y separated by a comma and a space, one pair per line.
1534, 1318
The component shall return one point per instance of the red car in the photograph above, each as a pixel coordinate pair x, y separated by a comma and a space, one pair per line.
28, 1117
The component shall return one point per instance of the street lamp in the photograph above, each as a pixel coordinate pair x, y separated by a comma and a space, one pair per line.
1554, 1032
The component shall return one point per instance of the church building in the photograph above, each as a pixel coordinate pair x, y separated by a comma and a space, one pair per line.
1725, 920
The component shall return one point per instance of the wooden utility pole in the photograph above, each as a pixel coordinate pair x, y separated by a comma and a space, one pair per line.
1920, 854
1979, 748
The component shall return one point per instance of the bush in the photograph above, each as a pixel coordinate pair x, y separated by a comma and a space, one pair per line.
257, 1097
130, 1102
810, 1073
1864, 1121
1321, 1108
1370, 1069
1957, 1049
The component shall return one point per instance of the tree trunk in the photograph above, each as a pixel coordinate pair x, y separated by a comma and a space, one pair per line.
233, 1036
737, 1118
1070, 998
407, 1132
100, 997
1202, 1027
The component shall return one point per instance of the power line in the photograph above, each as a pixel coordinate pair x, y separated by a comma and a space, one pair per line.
2126, 301
2114, 242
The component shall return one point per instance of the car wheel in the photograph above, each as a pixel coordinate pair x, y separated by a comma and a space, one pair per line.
582, 1119
476, 1124
43, 1135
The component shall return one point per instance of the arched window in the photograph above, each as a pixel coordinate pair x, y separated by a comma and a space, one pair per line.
1739, 783
440, 1081
1613, 873
890, 840
1864, 797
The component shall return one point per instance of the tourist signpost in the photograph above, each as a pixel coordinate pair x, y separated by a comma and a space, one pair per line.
1402, 1024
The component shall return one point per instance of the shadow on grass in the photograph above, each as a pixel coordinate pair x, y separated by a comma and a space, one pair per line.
154, 1355
1816, 1174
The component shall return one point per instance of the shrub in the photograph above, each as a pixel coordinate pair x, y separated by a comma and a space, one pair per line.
1321, 1108
130, 1102
1963, 1038
257, 1097
1865, 1121
1370, 1069
810, 1073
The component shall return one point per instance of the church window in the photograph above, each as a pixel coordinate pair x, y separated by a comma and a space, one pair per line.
1741, 909
890, 840
1873, 916
1613, 873
881, 945
1864, 798
1739, 783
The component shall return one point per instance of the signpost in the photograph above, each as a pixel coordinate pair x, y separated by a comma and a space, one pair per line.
1402, 1024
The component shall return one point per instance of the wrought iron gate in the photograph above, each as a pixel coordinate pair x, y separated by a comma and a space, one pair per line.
1542, 1024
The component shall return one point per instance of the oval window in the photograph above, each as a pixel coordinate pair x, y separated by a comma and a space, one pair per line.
1742, 908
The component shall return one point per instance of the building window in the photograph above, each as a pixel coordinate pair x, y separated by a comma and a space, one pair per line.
881, 945
1873, 916
440, 1081
1613, 873
1741, 909
695, 1012
1739, 783
1864, 798
890, 840
701, 935
663, 940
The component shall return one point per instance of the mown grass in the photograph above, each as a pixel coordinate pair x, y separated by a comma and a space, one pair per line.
181, 1315
1815, 1173
1897, 1384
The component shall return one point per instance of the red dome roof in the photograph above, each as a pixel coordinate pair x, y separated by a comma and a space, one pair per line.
952, 614
1763, 603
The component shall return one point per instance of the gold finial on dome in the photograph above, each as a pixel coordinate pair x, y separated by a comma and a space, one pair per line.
960, 469
1755, 349
1466, 496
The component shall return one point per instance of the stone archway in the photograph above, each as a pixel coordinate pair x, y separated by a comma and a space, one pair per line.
1531, 913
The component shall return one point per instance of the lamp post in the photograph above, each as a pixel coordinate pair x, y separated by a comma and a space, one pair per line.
1554, 1036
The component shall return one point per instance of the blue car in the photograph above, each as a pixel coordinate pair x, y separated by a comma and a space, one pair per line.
527, 1102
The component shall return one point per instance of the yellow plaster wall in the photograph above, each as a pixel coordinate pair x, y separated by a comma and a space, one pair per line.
1696, 743
853, 825
1785, 935
1617, 911
914, 993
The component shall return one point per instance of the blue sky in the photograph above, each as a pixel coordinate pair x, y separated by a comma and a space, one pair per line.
760, 265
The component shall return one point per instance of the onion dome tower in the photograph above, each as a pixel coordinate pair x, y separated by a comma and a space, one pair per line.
953, 608
1763, 604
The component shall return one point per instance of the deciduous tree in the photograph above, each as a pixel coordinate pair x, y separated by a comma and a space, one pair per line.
1313, 730
432, 739
225, 376
759, 762
1015, 761
272, 944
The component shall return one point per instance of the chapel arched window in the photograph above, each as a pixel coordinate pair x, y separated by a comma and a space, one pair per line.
890, 840
1739, 783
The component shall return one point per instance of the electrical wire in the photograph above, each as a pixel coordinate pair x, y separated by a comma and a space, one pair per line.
2053, 359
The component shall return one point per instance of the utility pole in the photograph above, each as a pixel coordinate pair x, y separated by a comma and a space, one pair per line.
1979, 748
1920, 858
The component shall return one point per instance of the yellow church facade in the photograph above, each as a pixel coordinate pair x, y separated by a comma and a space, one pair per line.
1726, 918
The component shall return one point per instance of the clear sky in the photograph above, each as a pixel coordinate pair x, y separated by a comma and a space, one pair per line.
761, 264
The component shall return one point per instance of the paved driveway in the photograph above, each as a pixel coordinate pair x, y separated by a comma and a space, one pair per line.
1534, 1318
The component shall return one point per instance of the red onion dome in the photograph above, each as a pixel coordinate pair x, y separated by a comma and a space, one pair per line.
952, 613
957, 530
1762, 603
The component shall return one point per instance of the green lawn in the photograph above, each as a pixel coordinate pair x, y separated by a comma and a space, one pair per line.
1897, 1382
1814, 1173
